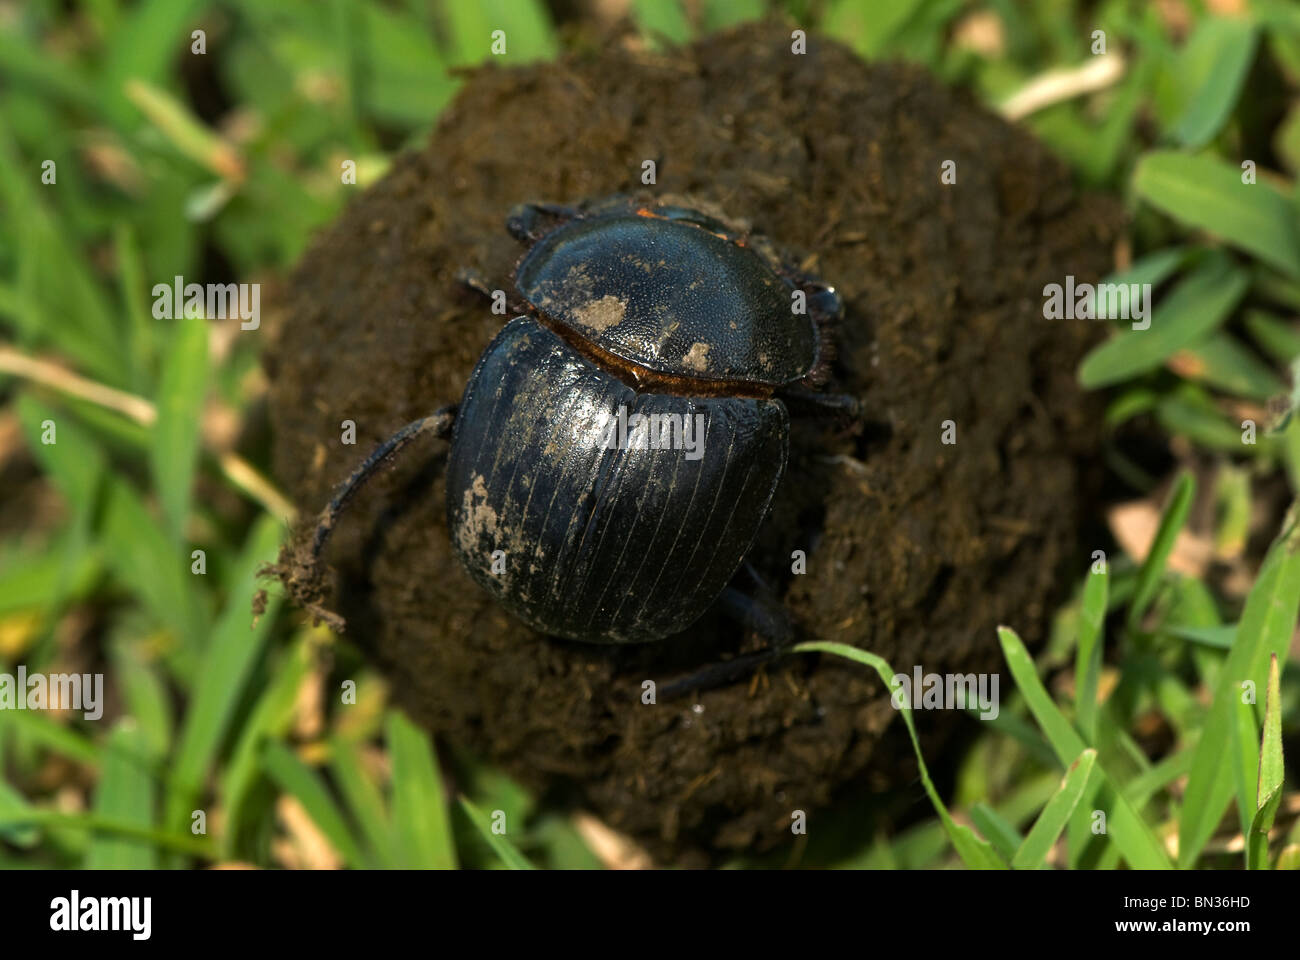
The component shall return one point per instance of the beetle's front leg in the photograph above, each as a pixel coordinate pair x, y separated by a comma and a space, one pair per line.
529, 221
802, 402
757, 613
471, 279
302, 569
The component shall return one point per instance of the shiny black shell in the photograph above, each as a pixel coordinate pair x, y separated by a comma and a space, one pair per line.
600, 545
668, 290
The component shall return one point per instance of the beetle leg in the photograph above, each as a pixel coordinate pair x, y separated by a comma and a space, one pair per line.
473, 280
802, 402
303, 578
759, 614
528, 221
719, 674
824, 300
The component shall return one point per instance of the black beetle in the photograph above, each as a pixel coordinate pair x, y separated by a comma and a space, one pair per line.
581, 519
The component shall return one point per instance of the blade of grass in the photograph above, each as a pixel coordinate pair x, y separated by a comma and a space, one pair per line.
74, 461
13, 806
1229, 46
976, 852
408, 82
363, 800
1193, 309
126, 793
1042, 836
1024, 733
139, 319
1266, 626
1133, 837
226, 665
1279, 339
1205, 193
142, 48
54, 819
1268, 788
57, 299
175, 446
1221, 362
1004, 837
1154, 269
302, 783
143, 558
1187, 411
146, 696
869, 29
270, 719
186, 132
1087, 661
421, 826
1220, 638
40, 578
502, 847
1153, 567
721, 14
44, 730
663, 18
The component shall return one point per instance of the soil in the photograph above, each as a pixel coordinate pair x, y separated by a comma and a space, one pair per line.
915, 549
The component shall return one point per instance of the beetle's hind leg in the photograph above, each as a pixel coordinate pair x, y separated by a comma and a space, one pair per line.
301, 567
758, 613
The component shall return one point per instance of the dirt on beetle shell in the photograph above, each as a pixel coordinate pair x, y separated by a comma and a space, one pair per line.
915, 549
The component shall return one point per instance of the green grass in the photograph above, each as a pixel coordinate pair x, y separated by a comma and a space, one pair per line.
235, 741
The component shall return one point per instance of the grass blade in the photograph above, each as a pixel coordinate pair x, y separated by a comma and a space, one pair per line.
74, 461
1193, 309
142, 48
364, 801
1087, 659
976, 852
662, 18
502, 847
1153, 567
1222, 363
1205, 193
143, 558
1279, 339
226, 665
1004, 837
14, 809
146, 696
1266, 626
126, 794
270, 719
1131, 835
421, 826
301, 782
1047, 828
175, 444
1229, 47
1269, 785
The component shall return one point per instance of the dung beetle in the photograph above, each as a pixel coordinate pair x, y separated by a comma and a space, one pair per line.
620, 441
